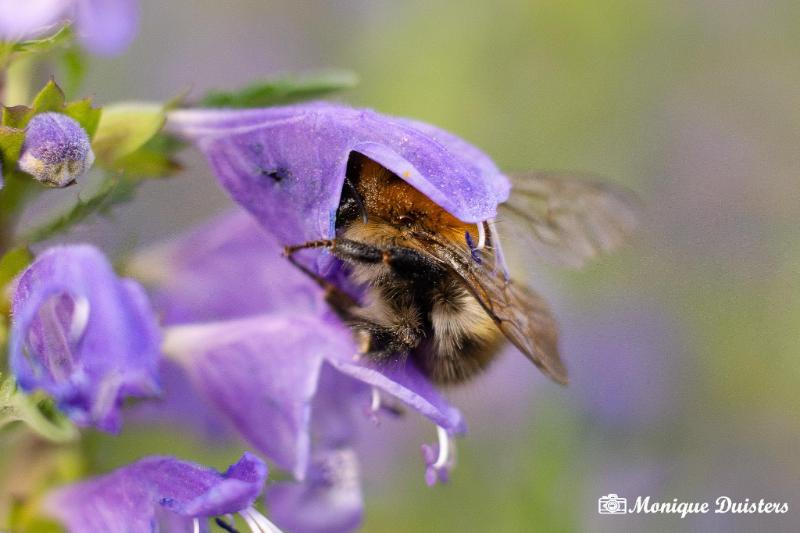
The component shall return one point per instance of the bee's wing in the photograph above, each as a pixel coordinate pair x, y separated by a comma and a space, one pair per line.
567, 219
521, 314
525, 319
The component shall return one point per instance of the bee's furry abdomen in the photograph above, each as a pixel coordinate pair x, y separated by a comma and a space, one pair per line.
441, 327
463, 339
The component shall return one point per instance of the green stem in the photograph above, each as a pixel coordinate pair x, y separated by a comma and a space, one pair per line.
60, 430
23, 410
18, 407
18, 81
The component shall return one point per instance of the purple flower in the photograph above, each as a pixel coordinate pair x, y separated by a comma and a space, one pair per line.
83, 335
104, 27
329, 500
286, 165
56, 150
138, 496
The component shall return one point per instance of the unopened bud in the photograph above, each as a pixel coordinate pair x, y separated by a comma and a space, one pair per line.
56, 150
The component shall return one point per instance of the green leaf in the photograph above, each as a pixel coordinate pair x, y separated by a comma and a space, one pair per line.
12, 263
16, 116
85, 115
60, 38
124, 128
11, 140
50, 98
283, 91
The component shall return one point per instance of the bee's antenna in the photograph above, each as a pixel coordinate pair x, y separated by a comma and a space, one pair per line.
357, 197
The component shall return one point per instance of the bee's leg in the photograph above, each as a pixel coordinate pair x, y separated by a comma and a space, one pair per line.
389, 327
405, 262
336, 297
412, 264
384, 340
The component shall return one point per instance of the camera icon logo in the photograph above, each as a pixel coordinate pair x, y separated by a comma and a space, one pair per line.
612, 504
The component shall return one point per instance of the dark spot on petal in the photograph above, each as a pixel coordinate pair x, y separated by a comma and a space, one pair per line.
276, 174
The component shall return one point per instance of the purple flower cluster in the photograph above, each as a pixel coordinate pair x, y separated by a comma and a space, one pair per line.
252, 335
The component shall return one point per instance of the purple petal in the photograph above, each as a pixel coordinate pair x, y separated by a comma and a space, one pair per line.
83, 335
30, 19
328, 501
219, 256
338, 403
287, 165
481, 163
128, 498
107, 27
407, 384
180, 405
261, 374
56, 150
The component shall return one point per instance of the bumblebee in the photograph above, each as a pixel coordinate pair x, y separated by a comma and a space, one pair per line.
435, 289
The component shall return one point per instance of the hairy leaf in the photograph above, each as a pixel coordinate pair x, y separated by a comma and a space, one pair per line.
283, 90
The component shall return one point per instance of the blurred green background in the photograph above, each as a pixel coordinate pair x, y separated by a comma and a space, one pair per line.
684, 347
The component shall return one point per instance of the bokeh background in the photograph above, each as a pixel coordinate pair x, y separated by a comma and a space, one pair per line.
684, 348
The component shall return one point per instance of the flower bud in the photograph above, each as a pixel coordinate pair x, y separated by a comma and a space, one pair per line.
56, 150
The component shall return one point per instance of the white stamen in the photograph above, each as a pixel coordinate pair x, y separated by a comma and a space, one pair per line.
375, 405
444, 448
257, 522
196, 525
80, 318
250, 523
481, 236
